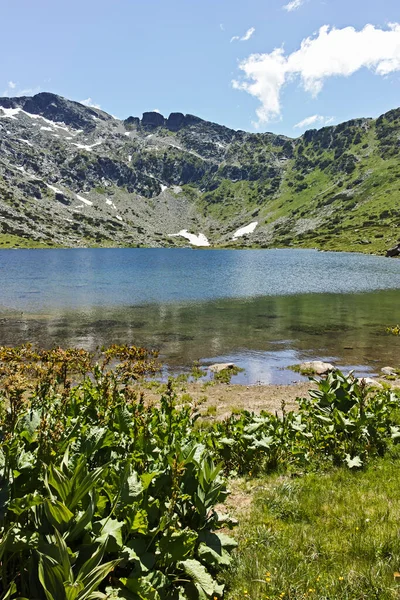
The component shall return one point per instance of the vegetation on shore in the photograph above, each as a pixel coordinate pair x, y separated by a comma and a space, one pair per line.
103, 496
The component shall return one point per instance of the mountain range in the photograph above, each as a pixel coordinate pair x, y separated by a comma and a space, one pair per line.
73, 175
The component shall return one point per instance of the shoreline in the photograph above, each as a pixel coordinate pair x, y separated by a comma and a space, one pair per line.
33, 245
220, 400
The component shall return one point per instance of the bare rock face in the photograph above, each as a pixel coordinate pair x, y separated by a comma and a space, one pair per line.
218, 367
152, 120
175, 121
395, 251
316, 366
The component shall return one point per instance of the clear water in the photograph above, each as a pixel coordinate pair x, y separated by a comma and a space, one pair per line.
263, 309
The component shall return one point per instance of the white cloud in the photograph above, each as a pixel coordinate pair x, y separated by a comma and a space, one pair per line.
248, 34
332, 52
12, 85
89, 102
245, 37
222, 27
156, 110
314, 120
293, 5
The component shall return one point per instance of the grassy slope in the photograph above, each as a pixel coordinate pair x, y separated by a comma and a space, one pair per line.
345, 179
333, 535
15, 241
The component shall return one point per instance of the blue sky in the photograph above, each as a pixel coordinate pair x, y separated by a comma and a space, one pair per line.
130, 56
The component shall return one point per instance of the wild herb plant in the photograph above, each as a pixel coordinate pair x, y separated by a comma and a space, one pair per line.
104, 496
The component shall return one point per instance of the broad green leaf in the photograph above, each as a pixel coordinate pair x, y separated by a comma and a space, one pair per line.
147, 478
265, 442
11, 590
84, 518
59, 482
57, 513
200, 576
140, 523
95, 577
20, 505
217, 541
132, 488
92, 562
176, 545
85, 486
213, 558
72, 590
227, 441
253, 427
51, 577
109, 529
141, 587
29, 423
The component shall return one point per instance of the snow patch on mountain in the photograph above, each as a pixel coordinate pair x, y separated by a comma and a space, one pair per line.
85, 200
195, 240
244, 230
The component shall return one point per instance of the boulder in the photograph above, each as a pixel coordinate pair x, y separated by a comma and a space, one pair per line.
395, 251
316, 366
218, 367
388, 371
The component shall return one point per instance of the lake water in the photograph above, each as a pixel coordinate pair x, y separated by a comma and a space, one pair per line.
262, 309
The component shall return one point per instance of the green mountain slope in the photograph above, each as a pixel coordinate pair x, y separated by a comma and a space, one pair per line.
71, 175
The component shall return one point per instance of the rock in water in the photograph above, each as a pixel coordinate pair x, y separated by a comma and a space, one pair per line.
316, 366
388, 371
218, 367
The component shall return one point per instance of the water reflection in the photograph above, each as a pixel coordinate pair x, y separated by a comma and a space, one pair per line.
263, 335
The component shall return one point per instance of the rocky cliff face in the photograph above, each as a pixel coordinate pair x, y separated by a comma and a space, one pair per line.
73, 175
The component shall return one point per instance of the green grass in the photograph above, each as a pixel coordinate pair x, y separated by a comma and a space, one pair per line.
322, 535
15, 241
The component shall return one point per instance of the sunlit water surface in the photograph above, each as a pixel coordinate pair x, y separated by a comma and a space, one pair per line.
262, 309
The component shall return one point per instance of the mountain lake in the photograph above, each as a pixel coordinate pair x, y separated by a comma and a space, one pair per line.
261, 309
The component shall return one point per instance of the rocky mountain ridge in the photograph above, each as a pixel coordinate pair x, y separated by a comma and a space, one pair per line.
73, 175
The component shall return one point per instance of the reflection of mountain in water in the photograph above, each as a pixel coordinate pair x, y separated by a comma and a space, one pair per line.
348, 327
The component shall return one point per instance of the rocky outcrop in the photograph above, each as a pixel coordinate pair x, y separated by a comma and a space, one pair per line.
151, 120
395, 251
175, 121
58, 109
